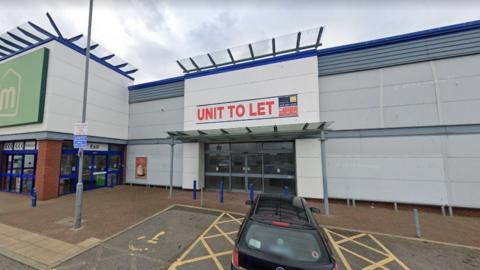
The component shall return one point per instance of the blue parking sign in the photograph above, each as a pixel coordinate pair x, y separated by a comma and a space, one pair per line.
79, 141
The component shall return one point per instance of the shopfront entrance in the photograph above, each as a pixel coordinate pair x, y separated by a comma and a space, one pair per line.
268, 166
101, 168
17, 170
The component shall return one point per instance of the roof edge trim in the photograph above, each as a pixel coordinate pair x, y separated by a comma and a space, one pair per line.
444, 30
156, 83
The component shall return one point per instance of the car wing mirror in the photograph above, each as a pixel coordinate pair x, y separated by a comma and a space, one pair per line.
248, 202
315, 210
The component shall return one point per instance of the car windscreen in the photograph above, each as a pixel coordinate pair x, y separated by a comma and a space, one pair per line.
292, 244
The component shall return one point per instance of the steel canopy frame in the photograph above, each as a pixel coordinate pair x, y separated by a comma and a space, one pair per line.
191, 65
248, 133
29, 35
282, 132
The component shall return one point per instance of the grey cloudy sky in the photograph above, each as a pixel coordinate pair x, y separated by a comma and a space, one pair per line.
153, 34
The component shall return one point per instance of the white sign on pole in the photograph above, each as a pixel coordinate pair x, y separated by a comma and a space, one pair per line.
80, 129
79, 141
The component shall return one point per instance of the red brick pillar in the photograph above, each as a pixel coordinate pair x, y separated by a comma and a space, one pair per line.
47, 176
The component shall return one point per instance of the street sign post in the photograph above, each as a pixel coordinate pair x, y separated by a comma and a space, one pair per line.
79, 190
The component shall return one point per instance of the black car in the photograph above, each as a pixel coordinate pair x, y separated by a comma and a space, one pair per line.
280, 233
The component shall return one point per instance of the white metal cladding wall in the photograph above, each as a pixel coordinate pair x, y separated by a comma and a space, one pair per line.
420, 94
152, 119
107, 106
308, 163
107, 103
437, 170
158, 164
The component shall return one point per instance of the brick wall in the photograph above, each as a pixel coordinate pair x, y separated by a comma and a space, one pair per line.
48, 169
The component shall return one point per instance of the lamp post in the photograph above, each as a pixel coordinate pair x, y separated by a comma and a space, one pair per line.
79, 191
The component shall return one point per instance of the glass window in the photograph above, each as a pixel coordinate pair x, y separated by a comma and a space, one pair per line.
67, 145
67, 185
17, 164
27, 185
115, 147
276, 185
67, 166
298, 245
279, 163
114, 161
213, 182
217, 147
282, 146
244, 147
238, 163
29, 165
217, 163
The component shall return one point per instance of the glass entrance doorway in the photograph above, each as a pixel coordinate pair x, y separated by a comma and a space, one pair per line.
268, 166
100, 169
17, 169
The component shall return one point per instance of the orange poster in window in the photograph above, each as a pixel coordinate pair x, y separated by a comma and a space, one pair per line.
141, 167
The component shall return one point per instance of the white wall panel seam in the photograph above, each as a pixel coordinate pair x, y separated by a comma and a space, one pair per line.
380, 107
383, 179
437, 93
448, 184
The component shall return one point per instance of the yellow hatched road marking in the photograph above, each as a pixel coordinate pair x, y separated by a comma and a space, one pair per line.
389, 256
238, 220
234, 218
178, 261
360, 244
361, 257
379, 264
212, 255
225, 235
389, 252
345, 239
338, 251
201, 240
218, 235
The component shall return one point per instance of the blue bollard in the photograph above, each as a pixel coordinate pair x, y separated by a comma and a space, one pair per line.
221, 192
285, 190
250, 188
34, 197
194, 190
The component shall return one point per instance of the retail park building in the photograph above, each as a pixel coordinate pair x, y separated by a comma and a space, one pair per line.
402, 116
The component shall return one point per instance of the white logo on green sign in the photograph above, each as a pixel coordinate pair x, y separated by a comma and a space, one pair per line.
10, 87
23, 81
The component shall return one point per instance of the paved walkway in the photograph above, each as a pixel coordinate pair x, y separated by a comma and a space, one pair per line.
124, 206
36, 250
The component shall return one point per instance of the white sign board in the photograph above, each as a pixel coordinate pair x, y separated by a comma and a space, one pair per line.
79, 141
251, 109
97, 147
80, 129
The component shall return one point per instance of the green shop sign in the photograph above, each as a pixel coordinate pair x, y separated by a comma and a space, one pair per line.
22, 88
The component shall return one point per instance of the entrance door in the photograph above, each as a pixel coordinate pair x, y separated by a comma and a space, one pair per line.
246, 170
99, 171
87, 176
268, 166
17, 172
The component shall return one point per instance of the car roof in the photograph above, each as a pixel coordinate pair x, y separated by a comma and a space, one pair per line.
283, 208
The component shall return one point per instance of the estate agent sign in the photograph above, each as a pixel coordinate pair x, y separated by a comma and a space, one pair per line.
251, 109
22, 88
